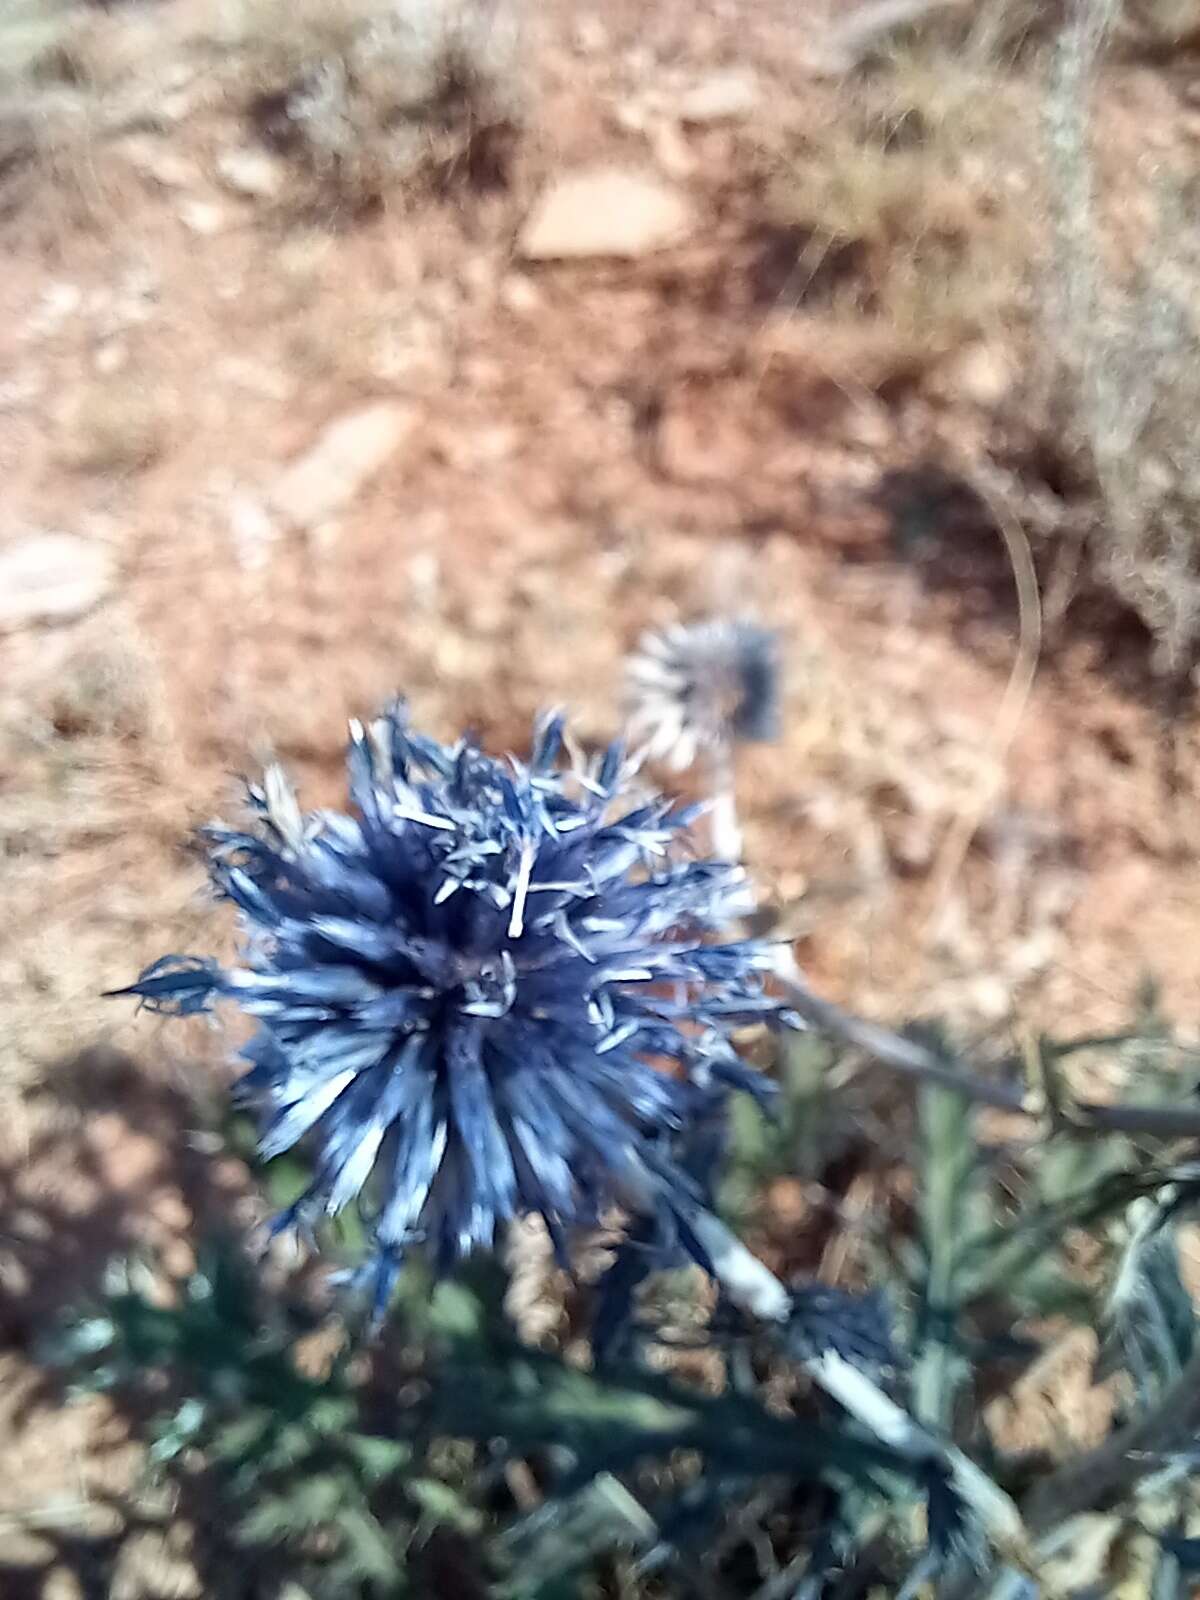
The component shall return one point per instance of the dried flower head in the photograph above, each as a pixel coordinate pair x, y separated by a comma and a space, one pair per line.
700, 686
467, 992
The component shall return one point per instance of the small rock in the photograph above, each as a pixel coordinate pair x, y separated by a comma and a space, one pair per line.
62, 300
720, 97
159, 163
256, 377
868, 425
590, 36
607, 211
179, 74
479, 448
22, 1549
179, 104
408, 350
20, 390
519, 294
58, 302
479, 280
981, 374
671, 151
51, 577
249, 172
62, 1584
204, 217
147, 1564
424, 577
633, 116
989, 997
139, 294
346, 456
111, 357
252, 532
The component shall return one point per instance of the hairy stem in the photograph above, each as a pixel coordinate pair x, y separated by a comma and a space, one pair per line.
756, 1289
725, 829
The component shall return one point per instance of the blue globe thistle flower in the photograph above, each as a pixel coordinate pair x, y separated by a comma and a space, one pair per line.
490, 991
703, 686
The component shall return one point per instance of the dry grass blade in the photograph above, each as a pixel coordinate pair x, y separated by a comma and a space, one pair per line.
957, 842
870, 27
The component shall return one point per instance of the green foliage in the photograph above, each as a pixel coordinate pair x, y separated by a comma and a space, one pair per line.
795, 1138
952, 1209
375, 1468
309, 1469
325, 1474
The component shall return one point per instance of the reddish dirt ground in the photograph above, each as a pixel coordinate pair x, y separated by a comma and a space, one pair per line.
593, 448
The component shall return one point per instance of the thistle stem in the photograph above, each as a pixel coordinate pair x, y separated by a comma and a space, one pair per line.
747, 1282
753, 1287
724, 826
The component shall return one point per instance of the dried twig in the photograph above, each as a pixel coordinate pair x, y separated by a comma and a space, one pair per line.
857, 38
1104, 1476
921, 1061
954, 848
1113, 1470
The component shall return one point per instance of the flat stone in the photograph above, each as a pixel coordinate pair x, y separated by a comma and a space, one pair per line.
158, 162
58, 303
346, 456
249, 172
51, 577
722, 96
605, 212
203, 217
251, 530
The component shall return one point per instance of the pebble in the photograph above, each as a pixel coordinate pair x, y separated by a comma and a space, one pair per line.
203, 217
346, 456
252, 173
613, 212
724, 96
51, 577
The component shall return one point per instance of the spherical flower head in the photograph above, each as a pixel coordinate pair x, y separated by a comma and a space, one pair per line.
492, 990
702, 686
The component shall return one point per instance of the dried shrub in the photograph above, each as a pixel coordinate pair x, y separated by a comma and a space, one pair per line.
117, 425
1126, 353
900, 243
367, 99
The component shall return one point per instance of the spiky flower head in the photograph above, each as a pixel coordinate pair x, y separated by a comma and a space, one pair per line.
490, 991
702, 686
